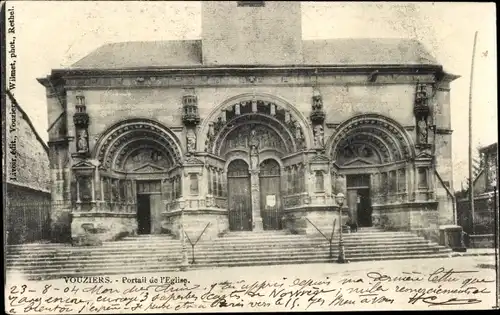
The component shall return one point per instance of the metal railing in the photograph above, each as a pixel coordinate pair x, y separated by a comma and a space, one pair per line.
328, 239
28, 222
193, 261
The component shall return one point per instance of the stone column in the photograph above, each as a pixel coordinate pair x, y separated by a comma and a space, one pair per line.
410, 187
255, 193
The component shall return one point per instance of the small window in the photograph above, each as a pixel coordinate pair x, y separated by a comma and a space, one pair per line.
250, 3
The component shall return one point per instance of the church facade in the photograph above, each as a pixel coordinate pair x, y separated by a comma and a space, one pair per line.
250, 128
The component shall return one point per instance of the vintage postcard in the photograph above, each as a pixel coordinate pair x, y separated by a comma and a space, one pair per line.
249, 156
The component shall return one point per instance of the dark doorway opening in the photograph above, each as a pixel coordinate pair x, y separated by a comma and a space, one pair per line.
143, 214
364, 208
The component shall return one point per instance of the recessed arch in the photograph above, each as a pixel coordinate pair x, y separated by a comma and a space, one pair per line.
124, 136
266, 105
381, 134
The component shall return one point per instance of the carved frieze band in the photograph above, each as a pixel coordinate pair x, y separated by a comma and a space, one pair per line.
183, 81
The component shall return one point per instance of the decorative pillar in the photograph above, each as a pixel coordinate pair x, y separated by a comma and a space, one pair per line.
190, 118
97, 182
421, 111
78, 191
255, 193
92, 191
255, 181
102, 189
317, 119
81, 121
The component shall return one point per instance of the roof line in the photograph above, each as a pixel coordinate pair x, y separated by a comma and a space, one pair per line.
362, 68
27, 118
55, 121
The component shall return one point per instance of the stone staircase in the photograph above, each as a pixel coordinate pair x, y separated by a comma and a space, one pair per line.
159, 253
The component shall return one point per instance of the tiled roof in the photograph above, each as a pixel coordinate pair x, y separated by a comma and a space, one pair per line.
143, 54
179, 53
366, 51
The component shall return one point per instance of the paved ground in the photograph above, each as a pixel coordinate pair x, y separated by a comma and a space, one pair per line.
428, 284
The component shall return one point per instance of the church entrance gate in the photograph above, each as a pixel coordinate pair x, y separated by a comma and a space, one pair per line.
239, 199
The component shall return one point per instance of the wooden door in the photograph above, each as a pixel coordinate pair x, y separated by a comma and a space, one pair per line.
364, 208
270, 197
239, 196
352, 203
143, 214
156, 210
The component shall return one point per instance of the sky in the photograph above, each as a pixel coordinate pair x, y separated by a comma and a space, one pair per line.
51, 35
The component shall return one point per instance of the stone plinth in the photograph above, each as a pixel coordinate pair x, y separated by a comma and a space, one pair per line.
60, 222
298, 221
194, 222
104, 226
419, 217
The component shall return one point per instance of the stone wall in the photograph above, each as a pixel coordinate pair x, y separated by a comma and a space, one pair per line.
104, 228
299, 221
342, 98
195, 222
26, 155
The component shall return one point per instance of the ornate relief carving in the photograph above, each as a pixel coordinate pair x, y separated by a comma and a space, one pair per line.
255, 110
317, 114
421, 110
146, 156
292, 201
422, 130
141, 131
82, 144
383, 134
253, 142
190, 115
204, 80
191, 141
260, 137
319, 136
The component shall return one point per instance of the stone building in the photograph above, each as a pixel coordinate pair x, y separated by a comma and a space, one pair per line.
487, 178
26, 176
250, 128
26, 157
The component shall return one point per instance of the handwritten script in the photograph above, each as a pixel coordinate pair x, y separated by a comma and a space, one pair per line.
441, 287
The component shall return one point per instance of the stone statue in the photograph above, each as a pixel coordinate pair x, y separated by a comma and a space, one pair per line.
191, 141
82, 141
422, 131
317, 100
254, 140
318, 135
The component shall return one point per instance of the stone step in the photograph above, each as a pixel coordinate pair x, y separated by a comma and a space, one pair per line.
279, 239
152, 255
211, 246
132, 265
45, 274
156, 253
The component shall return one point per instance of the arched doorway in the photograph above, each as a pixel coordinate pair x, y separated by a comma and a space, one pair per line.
270, 198
135, 161
374, 153
239, 196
